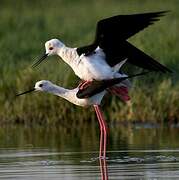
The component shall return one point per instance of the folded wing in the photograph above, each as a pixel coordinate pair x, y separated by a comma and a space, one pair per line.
96, 87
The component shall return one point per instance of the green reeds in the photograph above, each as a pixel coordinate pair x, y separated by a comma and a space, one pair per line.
25, 26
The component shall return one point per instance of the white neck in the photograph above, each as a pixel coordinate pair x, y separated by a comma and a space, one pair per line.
70, 95
57, 90
69, 55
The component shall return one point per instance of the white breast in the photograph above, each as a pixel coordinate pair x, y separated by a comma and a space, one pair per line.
94, 100
88, 67
93, 67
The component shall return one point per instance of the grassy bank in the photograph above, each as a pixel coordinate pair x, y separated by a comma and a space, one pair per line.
25, 26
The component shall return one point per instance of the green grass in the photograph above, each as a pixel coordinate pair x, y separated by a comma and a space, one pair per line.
25, 26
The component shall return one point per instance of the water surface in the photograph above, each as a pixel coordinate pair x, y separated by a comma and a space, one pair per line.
134, 152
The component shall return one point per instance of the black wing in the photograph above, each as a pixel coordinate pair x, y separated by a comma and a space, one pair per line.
111, 36
121, 27
134, 56
96, 87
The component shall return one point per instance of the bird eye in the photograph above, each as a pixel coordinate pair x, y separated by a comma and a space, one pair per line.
40, 85
50, 48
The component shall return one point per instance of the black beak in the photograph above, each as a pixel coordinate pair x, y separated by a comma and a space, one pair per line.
40, 60
31, 90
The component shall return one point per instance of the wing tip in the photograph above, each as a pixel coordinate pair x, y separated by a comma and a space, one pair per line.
167, 70
164, 12
155, 16
161, 68
158, 13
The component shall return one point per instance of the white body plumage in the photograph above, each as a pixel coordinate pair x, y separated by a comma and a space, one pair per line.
69, 95
91, 67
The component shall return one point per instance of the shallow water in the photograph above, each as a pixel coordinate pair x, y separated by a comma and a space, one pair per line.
137, 152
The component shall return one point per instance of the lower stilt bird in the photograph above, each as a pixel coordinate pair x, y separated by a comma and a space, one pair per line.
90, 95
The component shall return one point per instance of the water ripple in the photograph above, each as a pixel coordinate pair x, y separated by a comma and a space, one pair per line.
44, 164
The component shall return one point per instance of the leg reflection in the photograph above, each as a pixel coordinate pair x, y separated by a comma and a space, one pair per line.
103, 169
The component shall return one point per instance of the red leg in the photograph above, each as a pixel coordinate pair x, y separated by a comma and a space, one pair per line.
101, 132
104, 127
81, 83
84, 84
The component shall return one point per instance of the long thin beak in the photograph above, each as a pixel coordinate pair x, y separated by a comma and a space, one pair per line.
40, 60
31, 90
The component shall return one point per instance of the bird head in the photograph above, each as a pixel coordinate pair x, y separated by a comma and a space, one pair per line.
42, 85
51, 48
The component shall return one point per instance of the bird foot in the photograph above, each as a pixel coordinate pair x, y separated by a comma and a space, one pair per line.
84, 84
102, 157
121, 91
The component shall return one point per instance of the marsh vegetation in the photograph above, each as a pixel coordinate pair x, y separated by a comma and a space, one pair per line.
26, 25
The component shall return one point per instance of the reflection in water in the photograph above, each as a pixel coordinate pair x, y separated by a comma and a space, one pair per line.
67, 153
103, 169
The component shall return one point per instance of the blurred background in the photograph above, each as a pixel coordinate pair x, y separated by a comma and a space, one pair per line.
26, 25
45, 137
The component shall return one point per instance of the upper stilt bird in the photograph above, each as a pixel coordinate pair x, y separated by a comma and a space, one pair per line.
110, 46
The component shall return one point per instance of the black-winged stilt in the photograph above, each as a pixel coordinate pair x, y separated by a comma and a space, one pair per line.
94, 61
89, 95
